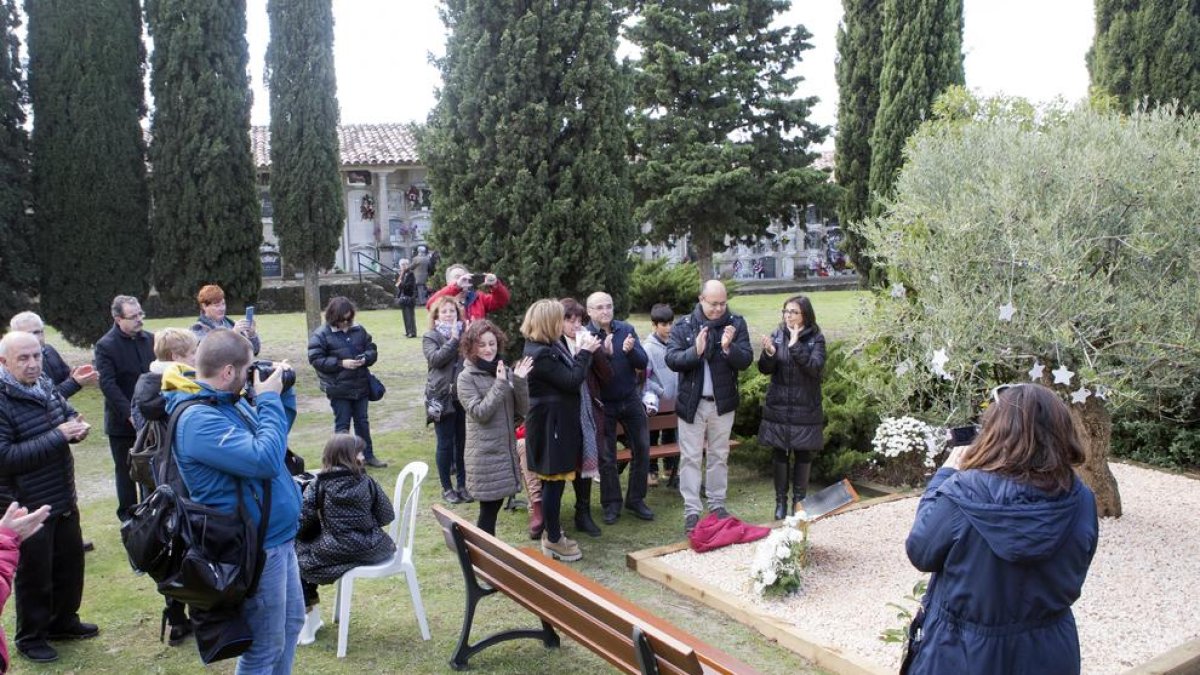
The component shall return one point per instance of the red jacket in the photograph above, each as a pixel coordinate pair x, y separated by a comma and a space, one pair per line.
481, 303
10, 552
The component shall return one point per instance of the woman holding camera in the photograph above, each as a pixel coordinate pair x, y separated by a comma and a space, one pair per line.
1008, 530
342, 353
792, 420
440, 345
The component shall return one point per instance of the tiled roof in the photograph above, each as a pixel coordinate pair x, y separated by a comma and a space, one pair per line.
361, 145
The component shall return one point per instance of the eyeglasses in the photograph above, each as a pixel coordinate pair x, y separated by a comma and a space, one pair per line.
599, 308
38, 332
715, 304
135, 317
790, 312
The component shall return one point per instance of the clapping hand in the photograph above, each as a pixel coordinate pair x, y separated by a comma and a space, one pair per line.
627, 345
18, 519
768, 345
85, 374
501, 370
74, 429
727, 338
523, 367
702, 341
587, 341
608, 347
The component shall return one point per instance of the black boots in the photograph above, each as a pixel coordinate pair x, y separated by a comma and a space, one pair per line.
583, 507
780, 468
800, 482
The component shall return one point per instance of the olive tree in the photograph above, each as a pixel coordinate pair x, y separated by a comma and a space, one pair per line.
1055, 246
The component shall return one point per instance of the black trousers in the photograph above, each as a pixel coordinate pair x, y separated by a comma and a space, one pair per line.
49, 582
126, 490
632, 416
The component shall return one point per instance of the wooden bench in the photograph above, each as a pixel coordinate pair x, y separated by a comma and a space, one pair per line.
629, 638
658, 422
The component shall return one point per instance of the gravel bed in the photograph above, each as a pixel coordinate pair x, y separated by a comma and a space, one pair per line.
1141, 597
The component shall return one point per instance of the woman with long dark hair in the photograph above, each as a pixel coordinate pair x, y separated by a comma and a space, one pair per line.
792, 421
1008, 530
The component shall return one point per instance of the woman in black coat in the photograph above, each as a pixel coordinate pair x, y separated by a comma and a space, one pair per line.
406, 297
342, 352
553, 428
792, 420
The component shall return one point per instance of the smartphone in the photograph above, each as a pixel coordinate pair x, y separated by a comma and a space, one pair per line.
964, 435
249, 313
477, 279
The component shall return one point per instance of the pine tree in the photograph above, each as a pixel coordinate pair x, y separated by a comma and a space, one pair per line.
860, 55
306, 185
1148, 50
86, 66
18, 269
922, 56
722, 143
526, 148
206, 221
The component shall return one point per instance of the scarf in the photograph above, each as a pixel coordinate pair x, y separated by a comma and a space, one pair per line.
446, 329
715, 328
488, 367
42, 390
589, 462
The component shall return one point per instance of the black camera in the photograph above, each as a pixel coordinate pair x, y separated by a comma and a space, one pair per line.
964, 435
267, 368
477, 279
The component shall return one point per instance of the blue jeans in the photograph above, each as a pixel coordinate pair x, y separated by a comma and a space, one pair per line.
275, 615
343, 410
451, 432
632, 416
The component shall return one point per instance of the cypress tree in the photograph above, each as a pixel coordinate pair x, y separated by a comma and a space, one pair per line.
526, 148
18, 269
722, 142
1147, 50
206, 221
922, 56
860, 55
306, 185
86, 66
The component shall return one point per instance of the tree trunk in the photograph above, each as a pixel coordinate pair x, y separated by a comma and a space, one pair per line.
1093, 423
704, 258
312, 296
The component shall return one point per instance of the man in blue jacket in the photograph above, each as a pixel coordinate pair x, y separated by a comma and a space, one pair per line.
227, 443
622, 401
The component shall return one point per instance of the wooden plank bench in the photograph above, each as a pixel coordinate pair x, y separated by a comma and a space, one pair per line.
629, 638
657, 422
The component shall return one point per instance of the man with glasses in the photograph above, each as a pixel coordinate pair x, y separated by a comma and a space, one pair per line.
707, 348
66, 379
122, 355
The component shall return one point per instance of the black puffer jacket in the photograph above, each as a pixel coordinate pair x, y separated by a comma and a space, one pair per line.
36, 465
326, 350
354, 509
682, 358
56, 368
792, 418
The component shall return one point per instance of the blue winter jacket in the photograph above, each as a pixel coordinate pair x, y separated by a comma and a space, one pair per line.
218, 444
1008, 561
623, 384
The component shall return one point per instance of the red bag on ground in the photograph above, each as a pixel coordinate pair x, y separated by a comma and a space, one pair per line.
712, 533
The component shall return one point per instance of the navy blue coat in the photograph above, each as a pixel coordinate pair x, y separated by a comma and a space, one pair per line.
1008, 561
623, 382
326, 350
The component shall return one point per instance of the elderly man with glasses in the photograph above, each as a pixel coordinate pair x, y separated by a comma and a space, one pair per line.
707, 348
122, 355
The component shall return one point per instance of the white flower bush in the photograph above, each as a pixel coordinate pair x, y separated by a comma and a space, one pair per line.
778, 559
899, 436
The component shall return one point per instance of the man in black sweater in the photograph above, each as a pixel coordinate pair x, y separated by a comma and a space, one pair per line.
122, 355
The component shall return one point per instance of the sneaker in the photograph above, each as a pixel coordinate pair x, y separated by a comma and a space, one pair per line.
652, 479
178, 634
80, 631
564, 549
38, 652
451, 497
312, 623
721, 513
690, 522
375, 463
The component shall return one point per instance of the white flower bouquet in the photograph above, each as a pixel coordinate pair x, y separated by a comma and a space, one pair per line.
907, 437
778, 559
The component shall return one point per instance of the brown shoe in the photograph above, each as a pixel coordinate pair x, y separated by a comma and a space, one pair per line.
564, 549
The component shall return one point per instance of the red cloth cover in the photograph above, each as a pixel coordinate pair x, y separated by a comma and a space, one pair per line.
711, 533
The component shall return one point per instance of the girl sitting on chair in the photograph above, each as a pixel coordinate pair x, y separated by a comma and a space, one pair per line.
341, 524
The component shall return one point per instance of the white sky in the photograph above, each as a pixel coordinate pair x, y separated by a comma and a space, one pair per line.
1029, 48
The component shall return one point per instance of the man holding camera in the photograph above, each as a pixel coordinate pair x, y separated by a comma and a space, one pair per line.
492, 295
229, 445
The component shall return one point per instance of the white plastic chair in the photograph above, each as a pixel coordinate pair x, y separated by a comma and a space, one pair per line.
401, 531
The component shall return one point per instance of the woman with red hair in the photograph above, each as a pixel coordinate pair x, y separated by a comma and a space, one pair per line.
212, 316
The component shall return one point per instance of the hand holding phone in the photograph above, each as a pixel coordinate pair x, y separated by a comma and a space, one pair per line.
250, 314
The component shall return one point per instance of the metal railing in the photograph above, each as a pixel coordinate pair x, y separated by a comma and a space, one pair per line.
375, 270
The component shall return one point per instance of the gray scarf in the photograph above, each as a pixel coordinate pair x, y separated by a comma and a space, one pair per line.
42, 390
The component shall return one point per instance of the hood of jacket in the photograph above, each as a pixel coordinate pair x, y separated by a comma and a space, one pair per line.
1019, 522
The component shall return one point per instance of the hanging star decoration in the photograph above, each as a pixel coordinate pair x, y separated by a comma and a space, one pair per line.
1080, 395
1062, 375
1101, 392
938, 362
1035, 373
898, 291
1007, 311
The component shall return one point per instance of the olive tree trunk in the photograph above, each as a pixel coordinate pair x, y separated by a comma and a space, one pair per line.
1093, 422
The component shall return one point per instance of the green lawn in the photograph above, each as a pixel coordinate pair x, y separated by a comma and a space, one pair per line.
384, 637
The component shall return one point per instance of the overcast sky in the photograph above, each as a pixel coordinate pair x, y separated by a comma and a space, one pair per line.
1028, 48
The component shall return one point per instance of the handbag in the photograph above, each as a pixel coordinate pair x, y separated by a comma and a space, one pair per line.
914, 635
376, 390
221, 634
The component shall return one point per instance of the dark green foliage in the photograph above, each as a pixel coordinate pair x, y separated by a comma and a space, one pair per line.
1147, 50
922, 57
206, 222
526, 149
306, 186
656, 282
1164, 430
86, 66
860, 57
722, 141
851, 415
18, 269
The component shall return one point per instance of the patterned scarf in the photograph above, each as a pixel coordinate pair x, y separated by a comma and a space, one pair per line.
446, 329
41, 390
590, 462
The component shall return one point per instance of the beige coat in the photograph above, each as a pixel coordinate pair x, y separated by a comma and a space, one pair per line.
492, 406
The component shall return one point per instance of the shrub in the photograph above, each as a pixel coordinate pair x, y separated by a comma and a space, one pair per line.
654, 282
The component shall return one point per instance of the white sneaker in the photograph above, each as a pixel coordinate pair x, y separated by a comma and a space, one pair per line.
312, 624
